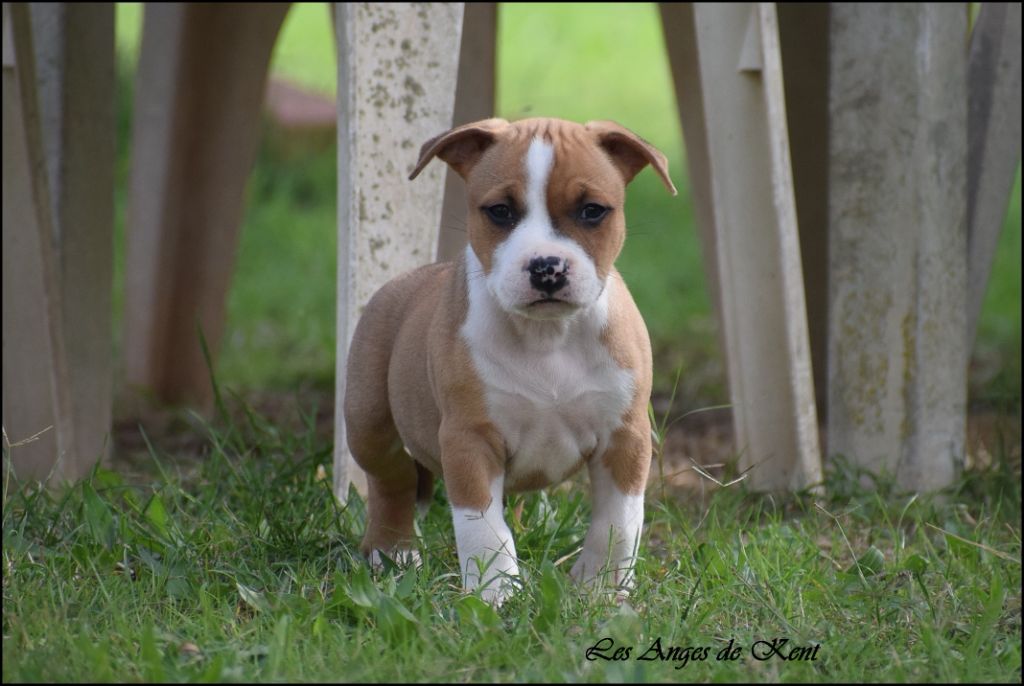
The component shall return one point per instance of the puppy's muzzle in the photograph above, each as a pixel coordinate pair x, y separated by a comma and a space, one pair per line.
548, 274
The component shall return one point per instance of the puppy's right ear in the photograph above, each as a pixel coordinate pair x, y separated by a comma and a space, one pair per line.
461, 147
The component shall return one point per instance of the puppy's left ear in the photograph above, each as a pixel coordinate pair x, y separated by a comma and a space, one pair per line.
629, 152
462, 147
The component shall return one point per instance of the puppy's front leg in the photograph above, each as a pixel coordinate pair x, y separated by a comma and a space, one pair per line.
475, 483
487, 553
617, 499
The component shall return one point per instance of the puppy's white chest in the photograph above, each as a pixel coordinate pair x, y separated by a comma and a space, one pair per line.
555, 411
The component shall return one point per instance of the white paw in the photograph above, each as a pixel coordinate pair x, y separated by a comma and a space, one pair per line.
403, 557
501, 579
487, 552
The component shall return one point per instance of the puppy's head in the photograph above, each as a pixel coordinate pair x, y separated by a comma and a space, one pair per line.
545, 199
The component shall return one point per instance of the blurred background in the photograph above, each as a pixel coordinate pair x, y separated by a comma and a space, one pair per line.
572, 61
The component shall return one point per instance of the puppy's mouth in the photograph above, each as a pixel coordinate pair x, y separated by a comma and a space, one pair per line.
541, 302
548, 308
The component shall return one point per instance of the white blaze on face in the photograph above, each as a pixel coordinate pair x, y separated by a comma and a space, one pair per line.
534, 236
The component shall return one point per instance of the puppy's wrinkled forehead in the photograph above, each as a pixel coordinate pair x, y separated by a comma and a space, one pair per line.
560, 156
485, 152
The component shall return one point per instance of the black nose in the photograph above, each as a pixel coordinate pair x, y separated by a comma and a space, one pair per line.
548, 274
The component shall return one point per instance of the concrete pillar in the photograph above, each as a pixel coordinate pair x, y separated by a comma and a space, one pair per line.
37, 393
397, 69
897, 216
74, 50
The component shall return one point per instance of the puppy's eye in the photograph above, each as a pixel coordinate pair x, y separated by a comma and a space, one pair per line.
502, 215
592, 213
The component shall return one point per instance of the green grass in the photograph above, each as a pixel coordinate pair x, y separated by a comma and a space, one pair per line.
242, 567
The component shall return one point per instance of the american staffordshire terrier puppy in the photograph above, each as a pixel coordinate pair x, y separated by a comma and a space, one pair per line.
517, 364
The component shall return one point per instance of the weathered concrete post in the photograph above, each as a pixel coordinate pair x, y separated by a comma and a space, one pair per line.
397, 67
58, 235
32, 402
898, 244
75, 67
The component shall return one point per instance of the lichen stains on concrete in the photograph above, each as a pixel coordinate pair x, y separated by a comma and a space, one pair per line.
376, 243
862, 363
414, 91
379, 96
908, 329
363, 214
413, 85
379, 15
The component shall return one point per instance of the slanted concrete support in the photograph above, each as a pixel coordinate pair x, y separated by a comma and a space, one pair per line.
199, 88
738, 148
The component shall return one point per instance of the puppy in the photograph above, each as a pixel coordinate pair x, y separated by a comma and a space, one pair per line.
516, 365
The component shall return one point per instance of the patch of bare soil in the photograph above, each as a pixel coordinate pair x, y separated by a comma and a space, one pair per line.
705, 442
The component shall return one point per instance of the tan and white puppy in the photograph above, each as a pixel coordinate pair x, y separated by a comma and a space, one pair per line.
514, 366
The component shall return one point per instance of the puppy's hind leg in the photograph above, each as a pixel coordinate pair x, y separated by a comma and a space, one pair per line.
391, 478
375, 444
